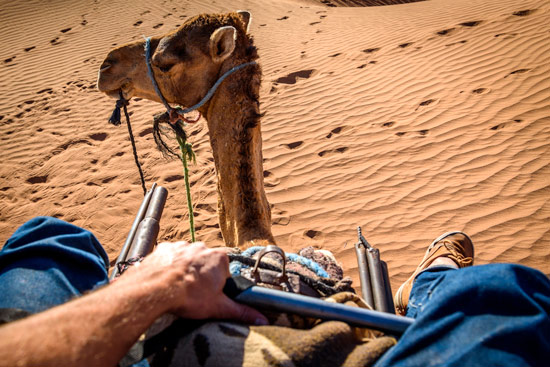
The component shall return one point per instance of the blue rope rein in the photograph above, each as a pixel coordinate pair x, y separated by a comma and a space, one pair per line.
235, 266
179, 110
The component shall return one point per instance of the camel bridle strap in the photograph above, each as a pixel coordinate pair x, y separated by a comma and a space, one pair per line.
178, 112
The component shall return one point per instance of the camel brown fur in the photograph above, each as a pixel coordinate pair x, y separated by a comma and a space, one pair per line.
186, 63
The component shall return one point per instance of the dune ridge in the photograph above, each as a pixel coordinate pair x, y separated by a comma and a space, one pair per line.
409, 120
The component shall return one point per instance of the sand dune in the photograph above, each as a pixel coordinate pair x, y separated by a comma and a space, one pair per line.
408, 120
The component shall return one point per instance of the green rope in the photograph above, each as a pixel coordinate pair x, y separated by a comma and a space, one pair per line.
187, 154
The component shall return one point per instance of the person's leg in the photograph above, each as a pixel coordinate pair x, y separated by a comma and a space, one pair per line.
46, 262
452, 249
490, 315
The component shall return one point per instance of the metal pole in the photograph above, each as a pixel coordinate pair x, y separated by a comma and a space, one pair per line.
377, 279
271, 299
389, 295
148, 229
364, 276
130, 238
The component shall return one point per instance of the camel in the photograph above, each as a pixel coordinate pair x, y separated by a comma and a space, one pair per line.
186, 63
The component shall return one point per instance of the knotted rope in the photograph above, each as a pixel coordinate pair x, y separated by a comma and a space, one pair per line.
115, 118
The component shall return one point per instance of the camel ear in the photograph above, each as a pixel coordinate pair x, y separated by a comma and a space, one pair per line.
222, 43
246, 17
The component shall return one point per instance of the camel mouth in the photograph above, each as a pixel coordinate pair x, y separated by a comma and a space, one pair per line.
113, 93
126, 90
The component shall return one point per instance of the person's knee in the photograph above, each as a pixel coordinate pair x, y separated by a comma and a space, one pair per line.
49, 237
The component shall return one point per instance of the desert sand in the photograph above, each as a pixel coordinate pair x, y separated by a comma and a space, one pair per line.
409, 120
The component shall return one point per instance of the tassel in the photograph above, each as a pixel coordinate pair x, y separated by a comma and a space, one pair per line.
116, 115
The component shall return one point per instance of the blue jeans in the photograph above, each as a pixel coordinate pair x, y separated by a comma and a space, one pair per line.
46, 262
490, 315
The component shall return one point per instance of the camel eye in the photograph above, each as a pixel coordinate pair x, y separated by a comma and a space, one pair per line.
166, 68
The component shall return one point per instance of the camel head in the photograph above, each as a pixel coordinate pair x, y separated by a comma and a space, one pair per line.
185, 62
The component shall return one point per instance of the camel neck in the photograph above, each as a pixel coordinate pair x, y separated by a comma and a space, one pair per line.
233, 116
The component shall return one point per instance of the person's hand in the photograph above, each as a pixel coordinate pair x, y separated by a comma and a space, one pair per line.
192, 277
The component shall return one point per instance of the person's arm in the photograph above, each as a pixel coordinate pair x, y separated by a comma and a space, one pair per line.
99, 328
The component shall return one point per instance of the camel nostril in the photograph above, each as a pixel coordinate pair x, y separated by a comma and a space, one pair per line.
105, 66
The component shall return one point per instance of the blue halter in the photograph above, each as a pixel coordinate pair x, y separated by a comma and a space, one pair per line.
179, 110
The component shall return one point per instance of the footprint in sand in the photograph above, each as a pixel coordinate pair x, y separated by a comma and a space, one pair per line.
312, 233
336, 130
292, 78
498, 127
328, 3
280, 217
147, 131
471, 24
138, 23
523, 13
330, 152
206, 207
480, 91
65, 30
456, 43
270, 180
506, 35
37, 179
426, 103
504, 124
294, 145
29, 48
283, 18
46, 90
519, 71
174, 178
445, 32
371, 50
405, 45
420, 133
99, 136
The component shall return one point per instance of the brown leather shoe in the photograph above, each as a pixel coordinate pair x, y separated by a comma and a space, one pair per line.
456, 245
